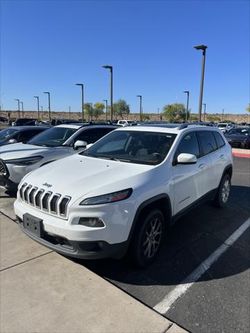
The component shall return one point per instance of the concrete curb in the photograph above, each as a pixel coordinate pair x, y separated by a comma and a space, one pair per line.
242, 153
42, 291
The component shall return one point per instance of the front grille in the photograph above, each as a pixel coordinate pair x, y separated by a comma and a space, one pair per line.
3, 169
52, 203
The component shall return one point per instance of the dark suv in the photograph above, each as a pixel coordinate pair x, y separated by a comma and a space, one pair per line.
24, 121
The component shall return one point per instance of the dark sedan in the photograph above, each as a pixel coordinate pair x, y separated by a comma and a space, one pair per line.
239, 137
19, 134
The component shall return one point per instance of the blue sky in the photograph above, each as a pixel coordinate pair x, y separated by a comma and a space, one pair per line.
51, 45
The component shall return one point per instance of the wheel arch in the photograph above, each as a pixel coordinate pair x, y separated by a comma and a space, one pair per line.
161, 201
228, 169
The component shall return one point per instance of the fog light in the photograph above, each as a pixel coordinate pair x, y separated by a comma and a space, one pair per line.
92, 222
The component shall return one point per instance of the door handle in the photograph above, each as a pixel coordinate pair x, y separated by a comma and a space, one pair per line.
202, 166
222, 155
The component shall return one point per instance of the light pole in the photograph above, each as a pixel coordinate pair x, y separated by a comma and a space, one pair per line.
18, 106
187, 92
38, 108
111, 90
48, 93
82, 95
203, 48
140, 97
222, 115
106, 108
22, 109
204, 112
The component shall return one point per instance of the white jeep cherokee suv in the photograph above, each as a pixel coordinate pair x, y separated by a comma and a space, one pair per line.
121, 193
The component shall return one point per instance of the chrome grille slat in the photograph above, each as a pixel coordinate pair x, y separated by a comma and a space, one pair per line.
63, 205
25, 193
38, 198
53, 204
32, 196
22, 190
28, 194
47, 201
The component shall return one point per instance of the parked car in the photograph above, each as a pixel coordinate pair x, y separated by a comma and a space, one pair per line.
57, 142
125, 122
3, 119
225, 127
239, 137
24, 122
120, 194
19, 134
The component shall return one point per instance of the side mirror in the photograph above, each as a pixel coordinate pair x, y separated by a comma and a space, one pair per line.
12, 141
89, 145
185, 158
80, 144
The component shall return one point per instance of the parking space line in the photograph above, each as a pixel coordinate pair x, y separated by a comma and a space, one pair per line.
163, 306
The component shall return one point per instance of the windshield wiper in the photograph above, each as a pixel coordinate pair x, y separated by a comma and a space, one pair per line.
108, 158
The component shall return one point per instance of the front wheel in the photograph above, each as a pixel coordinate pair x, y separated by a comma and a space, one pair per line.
148, 238
223, 193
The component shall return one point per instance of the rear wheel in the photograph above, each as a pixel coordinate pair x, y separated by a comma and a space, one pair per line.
223, 193
148, 238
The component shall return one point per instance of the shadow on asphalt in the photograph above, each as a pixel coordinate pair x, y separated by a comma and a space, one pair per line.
8, 194
190, 241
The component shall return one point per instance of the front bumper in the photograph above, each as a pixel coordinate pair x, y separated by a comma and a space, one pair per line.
11, 175
67, 237
77, 249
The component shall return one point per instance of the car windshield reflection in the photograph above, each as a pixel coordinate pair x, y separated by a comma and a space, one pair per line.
53, 137
149, 148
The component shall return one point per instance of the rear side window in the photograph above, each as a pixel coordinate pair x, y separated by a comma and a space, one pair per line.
219, 140
189, 144
207, 142
91, 135
26, 135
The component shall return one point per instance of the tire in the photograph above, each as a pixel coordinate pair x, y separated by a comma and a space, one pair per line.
223, 192
148, 238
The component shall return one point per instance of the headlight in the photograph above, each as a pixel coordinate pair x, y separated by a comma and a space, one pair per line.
25, 160
108, 198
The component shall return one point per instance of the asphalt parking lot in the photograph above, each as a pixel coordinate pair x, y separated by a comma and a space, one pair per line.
215, 301
219, 300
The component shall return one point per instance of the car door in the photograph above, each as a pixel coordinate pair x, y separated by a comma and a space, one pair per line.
210, 161
186, 176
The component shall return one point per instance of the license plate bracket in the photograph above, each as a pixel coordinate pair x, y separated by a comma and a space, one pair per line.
33, 224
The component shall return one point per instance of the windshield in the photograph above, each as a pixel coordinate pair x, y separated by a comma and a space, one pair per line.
240, 131
52, 137
7, 133
133, 147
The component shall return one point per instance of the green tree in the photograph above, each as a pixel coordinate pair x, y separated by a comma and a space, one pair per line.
145, 117
193, 117
175, 112
248, 108
213, 118
98, 109
89, 110
121, 108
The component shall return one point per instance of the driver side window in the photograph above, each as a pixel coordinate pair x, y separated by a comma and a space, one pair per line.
189, 144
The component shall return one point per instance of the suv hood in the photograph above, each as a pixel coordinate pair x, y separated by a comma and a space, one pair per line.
77, 176
20, 150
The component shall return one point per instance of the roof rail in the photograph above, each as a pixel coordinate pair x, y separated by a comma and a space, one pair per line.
182, 126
